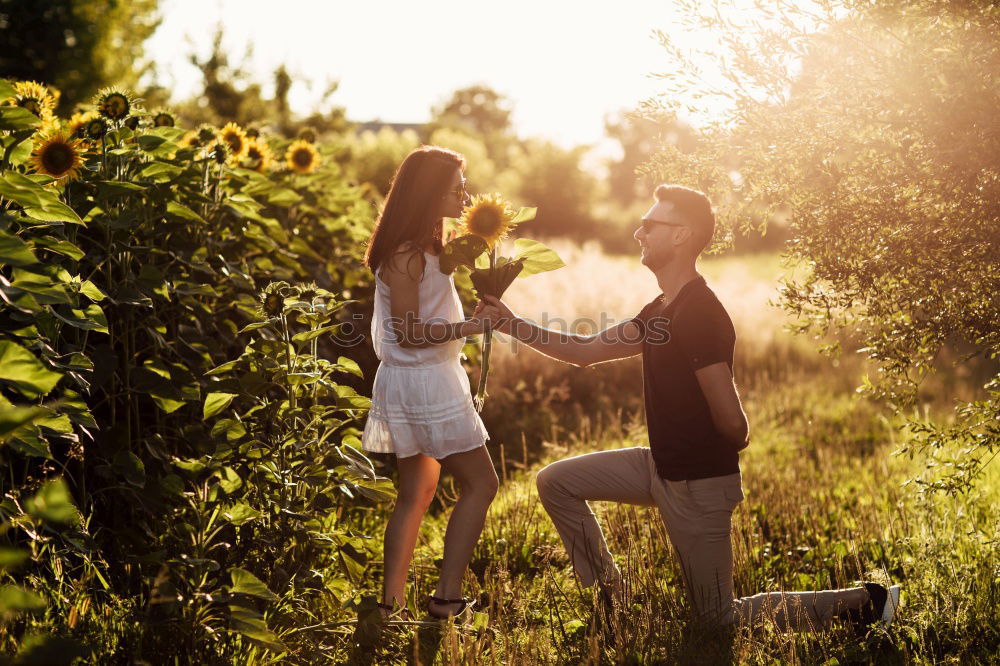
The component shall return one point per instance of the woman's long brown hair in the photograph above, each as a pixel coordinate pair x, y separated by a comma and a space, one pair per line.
412, 209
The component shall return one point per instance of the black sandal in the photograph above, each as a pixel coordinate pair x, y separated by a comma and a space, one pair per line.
465, 601
391, 610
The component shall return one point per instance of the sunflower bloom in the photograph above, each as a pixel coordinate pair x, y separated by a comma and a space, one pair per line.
488, 216
113, 104
190, 140
95, 128
219, 152
163, 119
77, 124
302, 156
34, 97
308, 134
58, 156
258, 156
236, 139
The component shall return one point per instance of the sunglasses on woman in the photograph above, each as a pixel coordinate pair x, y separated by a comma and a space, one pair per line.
459, 190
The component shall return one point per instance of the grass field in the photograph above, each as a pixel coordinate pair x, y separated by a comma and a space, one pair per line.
827, 503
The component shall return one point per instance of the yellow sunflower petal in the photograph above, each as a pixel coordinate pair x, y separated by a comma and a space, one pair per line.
488, 216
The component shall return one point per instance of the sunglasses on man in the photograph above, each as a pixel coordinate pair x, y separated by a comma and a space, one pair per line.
647, 224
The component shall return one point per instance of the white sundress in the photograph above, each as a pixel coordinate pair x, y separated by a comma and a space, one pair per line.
421, 399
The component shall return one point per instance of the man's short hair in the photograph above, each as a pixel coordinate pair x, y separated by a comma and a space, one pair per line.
695, 208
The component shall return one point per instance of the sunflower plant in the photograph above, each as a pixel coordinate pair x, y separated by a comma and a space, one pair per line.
484, 224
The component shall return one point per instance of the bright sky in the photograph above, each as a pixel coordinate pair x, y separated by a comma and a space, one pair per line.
564, 65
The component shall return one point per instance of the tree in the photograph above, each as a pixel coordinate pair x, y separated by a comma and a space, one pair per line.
874, 125
230, 93
478, 108
483, 114
77, 46
552, 179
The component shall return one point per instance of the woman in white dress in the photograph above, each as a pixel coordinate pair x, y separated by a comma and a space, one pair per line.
422, 406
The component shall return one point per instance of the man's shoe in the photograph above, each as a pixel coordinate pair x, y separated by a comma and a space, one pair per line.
881, 607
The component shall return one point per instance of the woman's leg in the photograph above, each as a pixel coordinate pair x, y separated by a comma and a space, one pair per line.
478, 484
418, 478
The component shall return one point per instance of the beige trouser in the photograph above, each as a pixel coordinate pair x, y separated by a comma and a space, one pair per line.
697, 515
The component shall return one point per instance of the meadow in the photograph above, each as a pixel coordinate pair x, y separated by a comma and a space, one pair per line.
827, 503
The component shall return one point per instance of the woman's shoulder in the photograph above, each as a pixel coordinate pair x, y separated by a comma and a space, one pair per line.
408, 260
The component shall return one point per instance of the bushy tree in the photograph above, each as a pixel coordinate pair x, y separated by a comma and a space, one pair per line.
77, 46
874, 127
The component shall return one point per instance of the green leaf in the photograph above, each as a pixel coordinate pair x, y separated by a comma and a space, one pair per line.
305, 336
60, 246
6, 90
58, 423
52, 503
462, 251
13, 419
91, 291
229, 480
161, 172
16, 598
182, 211
221, 369
43, 288
254, 326
345, 364
20, 368
524, 215
245, 582
11, 558
37, 201
14, 118
250, 623
128, 465
537, 257
241, 513
216, 402
91, 318
14, 251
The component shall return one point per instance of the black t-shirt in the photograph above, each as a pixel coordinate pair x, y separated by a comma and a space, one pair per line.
693, 331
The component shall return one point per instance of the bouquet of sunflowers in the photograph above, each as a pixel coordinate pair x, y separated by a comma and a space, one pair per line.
485, 222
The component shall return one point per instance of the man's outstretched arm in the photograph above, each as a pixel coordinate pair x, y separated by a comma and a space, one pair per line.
615, 342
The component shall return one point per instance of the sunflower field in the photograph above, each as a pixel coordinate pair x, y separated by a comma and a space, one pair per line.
182, 479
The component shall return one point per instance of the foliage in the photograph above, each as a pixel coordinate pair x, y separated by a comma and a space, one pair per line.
230, 94
190, 500
844, 117
77, 46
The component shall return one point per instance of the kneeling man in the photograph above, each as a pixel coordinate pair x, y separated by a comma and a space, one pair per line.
697, 427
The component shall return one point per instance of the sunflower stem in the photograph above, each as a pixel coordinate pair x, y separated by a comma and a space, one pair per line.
484, 372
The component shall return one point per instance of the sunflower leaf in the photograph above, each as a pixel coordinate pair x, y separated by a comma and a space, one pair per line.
537, 257
22, 369
462, 251
14, 251
13, 118
524, 215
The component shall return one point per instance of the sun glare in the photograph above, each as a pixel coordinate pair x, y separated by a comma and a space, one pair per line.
564, 71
